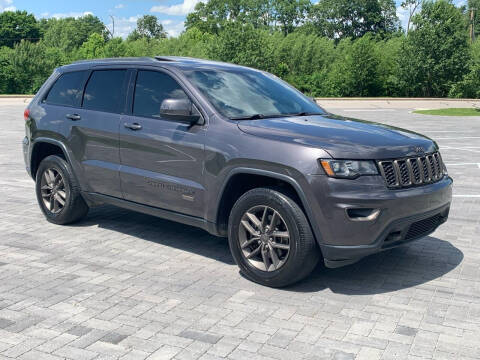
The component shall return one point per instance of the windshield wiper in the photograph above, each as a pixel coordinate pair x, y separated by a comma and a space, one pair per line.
258, 117
271, 116
306, 114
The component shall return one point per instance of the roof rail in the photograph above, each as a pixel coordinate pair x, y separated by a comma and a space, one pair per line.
165, 58
118, 59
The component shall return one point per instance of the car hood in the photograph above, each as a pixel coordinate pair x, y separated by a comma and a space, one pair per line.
342, 138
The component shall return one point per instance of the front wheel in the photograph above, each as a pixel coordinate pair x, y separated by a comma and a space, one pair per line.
271, 239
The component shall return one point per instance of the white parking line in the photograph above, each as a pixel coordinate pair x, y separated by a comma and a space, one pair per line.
457, 138
369, 110
462, 164
459, 148
444, 131
466, 196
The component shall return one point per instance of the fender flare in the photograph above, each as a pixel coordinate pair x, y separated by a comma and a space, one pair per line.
58, 143
288, 179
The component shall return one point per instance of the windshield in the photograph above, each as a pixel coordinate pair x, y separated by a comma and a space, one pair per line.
242, 93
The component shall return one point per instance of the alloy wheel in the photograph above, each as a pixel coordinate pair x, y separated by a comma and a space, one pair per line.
264, 238
53, 191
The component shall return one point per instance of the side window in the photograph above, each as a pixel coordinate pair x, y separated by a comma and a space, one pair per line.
105, 91
151, 89
67, 90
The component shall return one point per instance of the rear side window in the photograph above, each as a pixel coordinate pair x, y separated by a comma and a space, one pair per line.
67, 90
105, 91
151, 89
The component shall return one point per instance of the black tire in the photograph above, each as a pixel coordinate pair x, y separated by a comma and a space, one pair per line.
75, 207
304, 253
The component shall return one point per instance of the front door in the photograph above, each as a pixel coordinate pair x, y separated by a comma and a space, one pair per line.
161, 160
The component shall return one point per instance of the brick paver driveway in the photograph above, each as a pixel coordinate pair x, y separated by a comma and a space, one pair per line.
130, 286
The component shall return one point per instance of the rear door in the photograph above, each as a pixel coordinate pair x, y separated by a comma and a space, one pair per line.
162, 160
94, 130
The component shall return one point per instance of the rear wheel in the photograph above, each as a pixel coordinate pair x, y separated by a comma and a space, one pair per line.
271, 239
58, 193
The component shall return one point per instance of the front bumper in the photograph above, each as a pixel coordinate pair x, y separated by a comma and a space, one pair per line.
405, 215
397, 233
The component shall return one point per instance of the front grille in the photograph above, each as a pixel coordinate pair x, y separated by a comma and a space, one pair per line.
424, 227
414, 171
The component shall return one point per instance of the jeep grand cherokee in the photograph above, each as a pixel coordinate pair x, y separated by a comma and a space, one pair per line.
234, 151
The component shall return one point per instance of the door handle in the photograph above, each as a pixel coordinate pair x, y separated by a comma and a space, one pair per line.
73, 117
134, 126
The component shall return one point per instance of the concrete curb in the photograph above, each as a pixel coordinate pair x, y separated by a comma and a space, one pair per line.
16, 96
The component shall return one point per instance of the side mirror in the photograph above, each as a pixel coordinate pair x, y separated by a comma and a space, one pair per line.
181, 110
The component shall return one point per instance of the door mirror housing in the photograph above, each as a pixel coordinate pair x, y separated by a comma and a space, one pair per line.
181, 110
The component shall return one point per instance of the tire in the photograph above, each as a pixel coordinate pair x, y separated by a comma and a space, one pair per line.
303, 253
74, 207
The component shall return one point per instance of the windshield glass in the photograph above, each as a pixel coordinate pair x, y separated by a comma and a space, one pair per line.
248, 93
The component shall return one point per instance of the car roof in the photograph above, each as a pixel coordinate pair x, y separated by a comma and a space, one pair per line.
182, 63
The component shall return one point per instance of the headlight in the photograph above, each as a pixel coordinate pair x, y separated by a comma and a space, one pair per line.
348, 169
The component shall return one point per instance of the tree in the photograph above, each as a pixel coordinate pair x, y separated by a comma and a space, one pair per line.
290, 13
30, 65
475, 6
244, 45
436, 53
17, 26
6, 71
469, 86
412, 6
338, 19
93, 48
149, 27
214, 15
70, 33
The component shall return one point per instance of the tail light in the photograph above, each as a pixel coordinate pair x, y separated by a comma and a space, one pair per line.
26, 114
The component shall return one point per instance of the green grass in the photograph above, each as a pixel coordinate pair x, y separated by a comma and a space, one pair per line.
450, 112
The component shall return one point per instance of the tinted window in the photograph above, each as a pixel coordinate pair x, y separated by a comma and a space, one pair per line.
105, 91
67, 90
151, 89
242, 93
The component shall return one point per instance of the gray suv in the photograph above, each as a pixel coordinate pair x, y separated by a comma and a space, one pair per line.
234, 151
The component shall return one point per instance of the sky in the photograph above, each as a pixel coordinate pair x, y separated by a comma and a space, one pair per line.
171, 13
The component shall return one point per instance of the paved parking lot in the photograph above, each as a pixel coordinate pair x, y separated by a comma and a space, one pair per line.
123, 285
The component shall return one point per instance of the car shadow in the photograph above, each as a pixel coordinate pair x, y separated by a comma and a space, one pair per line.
160, 231
408, 266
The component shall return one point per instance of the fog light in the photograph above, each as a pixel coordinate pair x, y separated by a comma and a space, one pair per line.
359, 214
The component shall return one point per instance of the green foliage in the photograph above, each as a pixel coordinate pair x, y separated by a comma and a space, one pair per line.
339, 19
290, 13
474, 4
70, 33
27, 70
93, 48
450, 112
469, 86
17, 26
7, 82
213, 16
332, 48
242, 44
149, 27
436, 53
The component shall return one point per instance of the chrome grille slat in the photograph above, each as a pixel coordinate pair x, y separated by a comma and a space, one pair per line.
412, 171
415, 170
426, 172
431, 162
